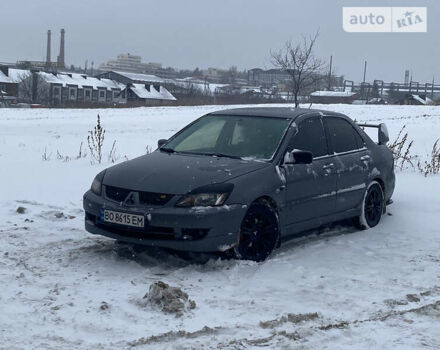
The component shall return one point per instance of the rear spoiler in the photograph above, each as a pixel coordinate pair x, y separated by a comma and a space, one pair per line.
382, 132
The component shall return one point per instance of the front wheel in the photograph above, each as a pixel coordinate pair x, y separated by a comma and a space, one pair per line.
372, 206
259, 233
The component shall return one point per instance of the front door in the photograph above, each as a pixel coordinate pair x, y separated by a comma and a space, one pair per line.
310, 188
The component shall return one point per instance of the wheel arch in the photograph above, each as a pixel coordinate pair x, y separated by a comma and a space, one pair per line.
267, 200
381, 183
273, 204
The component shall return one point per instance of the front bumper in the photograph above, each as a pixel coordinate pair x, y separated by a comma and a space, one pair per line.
189, 229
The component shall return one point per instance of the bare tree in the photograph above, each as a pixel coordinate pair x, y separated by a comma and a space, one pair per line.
32, 88
298, 60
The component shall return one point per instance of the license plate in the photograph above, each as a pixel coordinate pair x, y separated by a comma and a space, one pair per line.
116, 217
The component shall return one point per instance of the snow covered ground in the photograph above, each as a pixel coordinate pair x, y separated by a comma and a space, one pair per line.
340, 288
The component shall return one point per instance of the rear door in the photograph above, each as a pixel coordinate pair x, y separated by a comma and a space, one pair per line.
351, 159
310, 188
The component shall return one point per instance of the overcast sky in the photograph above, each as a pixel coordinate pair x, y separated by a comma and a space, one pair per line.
222, 33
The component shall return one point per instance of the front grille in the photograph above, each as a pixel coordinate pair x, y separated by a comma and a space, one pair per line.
160, 233
148, 198
116, 193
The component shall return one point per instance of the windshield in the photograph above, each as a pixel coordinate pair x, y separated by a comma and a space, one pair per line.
231, 136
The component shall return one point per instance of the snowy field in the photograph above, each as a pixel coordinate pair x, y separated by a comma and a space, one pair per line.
62, 288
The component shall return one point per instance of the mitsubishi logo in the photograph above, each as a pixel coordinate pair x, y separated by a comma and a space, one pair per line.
132, 198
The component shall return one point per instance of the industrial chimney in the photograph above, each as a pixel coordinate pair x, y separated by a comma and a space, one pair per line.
48, 49
60, 61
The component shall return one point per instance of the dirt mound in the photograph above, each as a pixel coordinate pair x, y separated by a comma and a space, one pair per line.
292, 318
21, 210
169, 299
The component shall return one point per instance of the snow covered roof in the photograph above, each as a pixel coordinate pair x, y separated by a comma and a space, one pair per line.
4, 78
64, 79
190, 82
147, 78
14, 75
142, 92
333, 93
80, 80
418, 98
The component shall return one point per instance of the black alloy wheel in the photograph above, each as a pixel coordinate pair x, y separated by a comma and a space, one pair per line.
259, 233
372, 207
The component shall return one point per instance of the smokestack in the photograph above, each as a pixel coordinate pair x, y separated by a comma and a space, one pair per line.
60, 61
48, 49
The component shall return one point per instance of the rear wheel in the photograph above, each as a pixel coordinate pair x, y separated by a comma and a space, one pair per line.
259, 233
372, 206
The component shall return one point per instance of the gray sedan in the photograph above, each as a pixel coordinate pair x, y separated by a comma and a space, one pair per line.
244, 180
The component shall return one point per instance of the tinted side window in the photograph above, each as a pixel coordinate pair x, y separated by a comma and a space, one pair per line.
359, 140
343, 136
310, 137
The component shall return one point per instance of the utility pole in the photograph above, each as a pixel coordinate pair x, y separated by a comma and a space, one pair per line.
365, 71
330, 74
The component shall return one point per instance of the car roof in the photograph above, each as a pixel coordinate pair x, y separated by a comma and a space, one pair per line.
276, 112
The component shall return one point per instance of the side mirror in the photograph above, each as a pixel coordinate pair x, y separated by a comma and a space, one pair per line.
383, 136
161, 142
298, 157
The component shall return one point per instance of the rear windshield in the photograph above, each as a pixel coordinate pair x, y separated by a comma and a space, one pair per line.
233, 136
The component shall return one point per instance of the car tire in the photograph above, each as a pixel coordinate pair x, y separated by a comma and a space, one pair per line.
372, 207
259, 233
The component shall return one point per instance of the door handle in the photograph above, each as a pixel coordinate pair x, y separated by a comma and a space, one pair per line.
328, 166
366, 157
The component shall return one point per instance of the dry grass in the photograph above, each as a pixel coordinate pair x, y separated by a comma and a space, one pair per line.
95, 141
403, 157
401, 148
431, 167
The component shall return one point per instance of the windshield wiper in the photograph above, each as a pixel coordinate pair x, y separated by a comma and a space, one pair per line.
167, 150
222, 155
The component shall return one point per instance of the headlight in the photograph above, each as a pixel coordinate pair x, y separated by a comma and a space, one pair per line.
97, 183
203, 200
212, 195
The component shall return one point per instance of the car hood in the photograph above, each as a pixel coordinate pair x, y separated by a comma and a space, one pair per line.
176, 173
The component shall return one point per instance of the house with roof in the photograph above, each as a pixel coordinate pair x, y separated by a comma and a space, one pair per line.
146, 94
140, 89
10, 79
74, 87
56, 89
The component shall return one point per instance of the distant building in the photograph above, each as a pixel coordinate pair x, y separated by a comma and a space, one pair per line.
38, 65
140, 88
268, 77
213, 74
408, 98
9, 80
146, 94
73, 89
235, 89
61, 89
129, 63
58, 89
131, 78
328, 97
